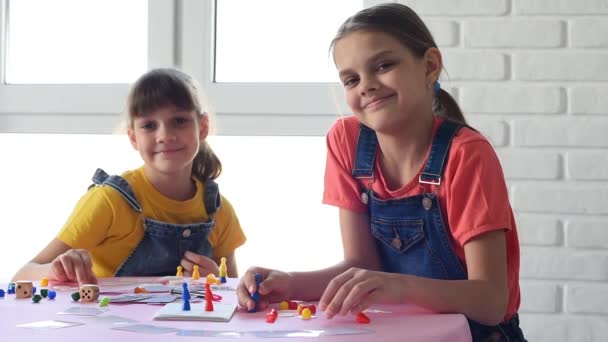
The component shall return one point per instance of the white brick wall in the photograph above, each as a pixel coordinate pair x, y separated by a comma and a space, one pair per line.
532, 75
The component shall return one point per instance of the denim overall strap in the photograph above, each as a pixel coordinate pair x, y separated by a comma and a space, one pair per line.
211, 197
367, 145
119, 184
431, 174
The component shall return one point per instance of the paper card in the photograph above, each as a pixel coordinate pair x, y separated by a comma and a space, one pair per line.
310, 333
163, 299
210, 333
146, 329
50, 324
129, 298
173, 312
83, 311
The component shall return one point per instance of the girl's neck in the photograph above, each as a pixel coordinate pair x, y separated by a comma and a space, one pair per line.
176, 186
402, 154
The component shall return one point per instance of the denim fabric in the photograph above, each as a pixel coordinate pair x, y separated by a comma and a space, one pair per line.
410, 233
164, 244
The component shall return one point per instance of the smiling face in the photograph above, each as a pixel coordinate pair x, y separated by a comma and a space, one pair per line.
385, 85
168, 139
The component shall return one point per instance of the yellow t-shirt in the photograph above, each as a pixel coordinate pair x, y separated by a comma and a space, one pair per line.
106, 225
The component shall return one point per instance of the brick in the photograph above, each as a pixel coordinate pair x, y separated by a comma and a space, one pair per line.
566, 132
534, 230
587, 298
540, 297
490, 66
496, 131
589, 33
560, 198
563, 328
587, 165
514, 33
561, 66
587, 233
560, 6
589, 100
454, 7
543, 263
530, 164
512, 99
445, 33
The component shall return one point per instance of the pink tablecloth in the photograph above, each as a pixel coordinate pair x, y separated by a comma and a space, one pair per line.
403, 323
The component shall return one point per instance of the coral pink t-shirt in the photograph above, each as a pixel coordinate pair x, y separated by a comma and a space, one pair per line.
473, 195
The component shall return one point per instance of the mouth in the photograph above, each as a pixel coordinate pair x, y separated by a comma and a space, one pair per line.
168, 150
377, 102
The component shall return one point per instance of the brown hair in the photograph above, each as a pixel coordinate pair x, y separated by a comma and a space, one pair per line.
167, 86
405, 25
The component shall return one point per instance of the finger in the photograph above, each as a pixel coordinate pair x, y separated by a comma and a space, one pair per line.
243, 296
335, 305
88, 266
80, 269
359, 291
332, 288
365, 302
57, 271
68, 266
201, 260
186, 266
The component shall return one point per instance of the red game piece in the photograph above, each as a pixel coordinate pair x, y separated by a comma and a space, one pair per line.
292, 305
271, 316
362, 318
311, 307
208, 298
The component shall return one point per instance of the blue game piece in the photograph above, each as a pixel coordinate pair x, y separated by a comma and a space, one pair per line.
223, 280
256, 295
11, 288
52, 294
185, 297
1, 293
34, 290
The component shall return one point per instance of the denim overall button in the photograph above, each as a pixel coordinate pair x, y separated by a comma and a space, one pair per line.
364, 197
427, 203
186, 233
397, 242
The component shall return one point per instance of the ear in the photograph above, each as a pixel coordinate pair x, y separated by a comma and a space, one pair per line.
434, 64
203, 126
132, 138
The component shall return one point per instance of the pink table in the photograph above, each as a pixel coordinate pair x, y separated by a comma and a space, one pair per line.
403, 323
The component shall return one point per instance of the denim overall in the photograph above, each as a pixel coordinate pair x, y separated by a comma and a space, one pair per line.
410, 233
164, 244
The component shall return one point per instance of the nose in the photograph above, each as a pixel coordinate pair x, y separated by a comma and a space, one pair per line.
368, 85
164, 134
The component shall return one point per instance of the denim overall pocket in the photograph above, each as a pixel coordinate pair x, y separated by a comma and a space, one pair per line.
399, 235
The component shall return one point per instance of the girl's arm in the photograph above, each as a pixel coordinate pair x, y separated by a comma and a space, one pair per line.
483, 297
58, 261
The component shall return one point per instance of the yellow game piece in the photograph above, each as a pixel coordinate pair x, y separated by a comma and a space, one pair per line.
195, 274
44, 282
283, 306
223, 270
179, 272
211, 279
306, 314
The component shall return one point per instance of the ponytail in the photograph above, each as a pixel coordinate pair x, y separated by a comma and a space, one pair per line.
206, 165
445, 105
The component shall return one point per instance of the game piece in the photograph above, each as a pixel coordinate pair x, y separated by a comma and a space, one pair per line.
306, 314
44, 282
211, 279
256, 295
179, 273
89, 292
36, 298
1, 293
11, 288
223, 271
52, 294
44, 292
75, 296
104, 302
292, 305
185, 297
271, 316
140, 290
283, 305
311, 307
195, 274
24, 289
208, 298
33, 290
362, 318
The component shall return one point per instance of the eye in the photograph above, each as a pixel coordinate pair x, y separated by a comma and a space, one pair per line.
180, 120
148, 125
350, 82
384, 66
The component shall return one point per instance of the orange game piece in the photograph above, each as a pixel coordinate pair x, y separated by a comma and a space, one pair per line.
140, 290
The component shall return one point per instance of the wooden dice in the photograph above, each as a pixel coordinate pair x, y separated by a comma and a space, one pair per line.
24, 289
89, 293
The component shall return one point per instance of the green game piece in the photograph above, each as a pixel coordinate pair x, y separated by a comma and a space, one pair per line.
44, 292
75, 296
36, 298
104, 302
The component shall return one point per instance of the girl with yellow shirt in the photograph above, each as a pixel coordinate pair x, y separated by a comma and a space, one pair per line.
167, 213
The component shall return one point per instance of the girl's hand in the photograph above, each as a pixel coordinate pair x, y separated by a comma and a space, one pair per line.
205, 264
73, 266
276, 286
356, 289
